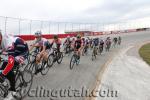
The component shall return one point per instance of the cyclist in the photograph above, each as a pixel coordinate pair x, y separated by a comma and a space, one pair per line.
86, 46
115, 40
91, 42
119, 40
67, 44
56, 43
108, 43
101, 44
96, 43
17, 50
42, 45
72, 43
78, 46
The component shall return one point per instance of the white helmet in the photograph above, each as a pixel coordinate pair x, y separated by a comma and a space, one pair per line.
38, 33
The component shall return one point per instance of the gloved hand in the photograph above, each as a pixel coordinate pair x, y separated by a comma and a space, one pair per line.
4, 53
20, 59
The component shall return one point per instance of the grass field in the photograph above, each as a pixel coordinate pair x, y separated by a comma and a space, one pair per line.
145, 52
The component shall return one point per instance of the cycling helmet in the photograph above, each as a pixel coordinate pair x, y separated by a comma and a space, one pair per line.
55, 37
78, 36
38, 34
68, 37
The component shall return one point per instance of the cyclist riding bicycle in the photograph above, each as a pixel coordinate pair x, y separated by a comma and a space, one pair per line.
67, 44
17, 51
72, 43
115, 40
56, 43
108, 43
86, 46
101, 44
78, 46
91, 42
41, 45
119, 40
96, 43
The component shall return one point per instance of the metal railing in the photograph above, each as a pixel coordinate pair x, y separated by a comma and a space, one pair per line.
18, 26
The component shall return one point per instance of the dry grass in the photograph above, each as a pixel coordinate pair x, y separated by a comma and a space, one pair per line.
145, 52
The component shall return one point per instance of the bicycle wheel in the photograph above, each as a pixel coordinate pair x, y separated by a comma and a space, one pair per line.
3, 91
77, 60
45, 68
72, 62
100, 50
24, 83
50, 60
31, 67
94, 55
60, 57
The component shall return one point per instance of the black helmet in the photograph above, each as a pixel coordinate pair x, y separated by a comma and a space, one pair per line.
78, 36
55, 36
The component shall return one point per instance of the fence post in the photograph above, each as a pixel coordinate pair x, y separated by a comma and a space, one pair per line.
5, 25
49, 27
72, 27
41, 25
30, 26
19, 25
58, 27
65, 26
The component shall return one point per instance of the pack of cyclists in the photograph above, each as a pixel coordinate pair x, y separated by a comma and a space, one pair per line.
18, 51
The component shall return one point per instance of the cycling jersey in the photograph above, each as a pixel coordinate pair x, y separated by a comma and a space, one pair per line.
115, 39
19, 49
83, 42
96, 42
108, 42
56, 44
101, 42
67, 42
78, 44
87, 42
42, 42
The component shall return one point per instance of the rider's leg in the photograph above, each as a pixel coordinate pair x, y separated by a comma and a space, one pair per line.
83, 50
11, 77
78, 52
45, 55
38, 58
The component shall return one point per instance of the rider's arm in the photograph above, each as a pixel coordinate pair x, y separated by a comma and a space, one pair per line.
43, 50
44, 47
9, 66
34, 45
81, 45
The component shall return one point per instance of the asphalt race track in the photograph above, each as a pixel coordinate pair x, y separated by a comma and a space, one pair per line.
61, 83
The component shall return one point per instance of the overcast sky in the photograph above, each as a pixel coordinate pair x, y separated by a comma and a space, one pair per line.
76, 10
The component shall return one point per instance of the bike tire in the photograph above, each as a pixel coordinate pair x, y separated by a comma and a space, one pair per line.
50, 60
21, 87
60, 57
3, 91
72, 62
31, 67
45, 66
